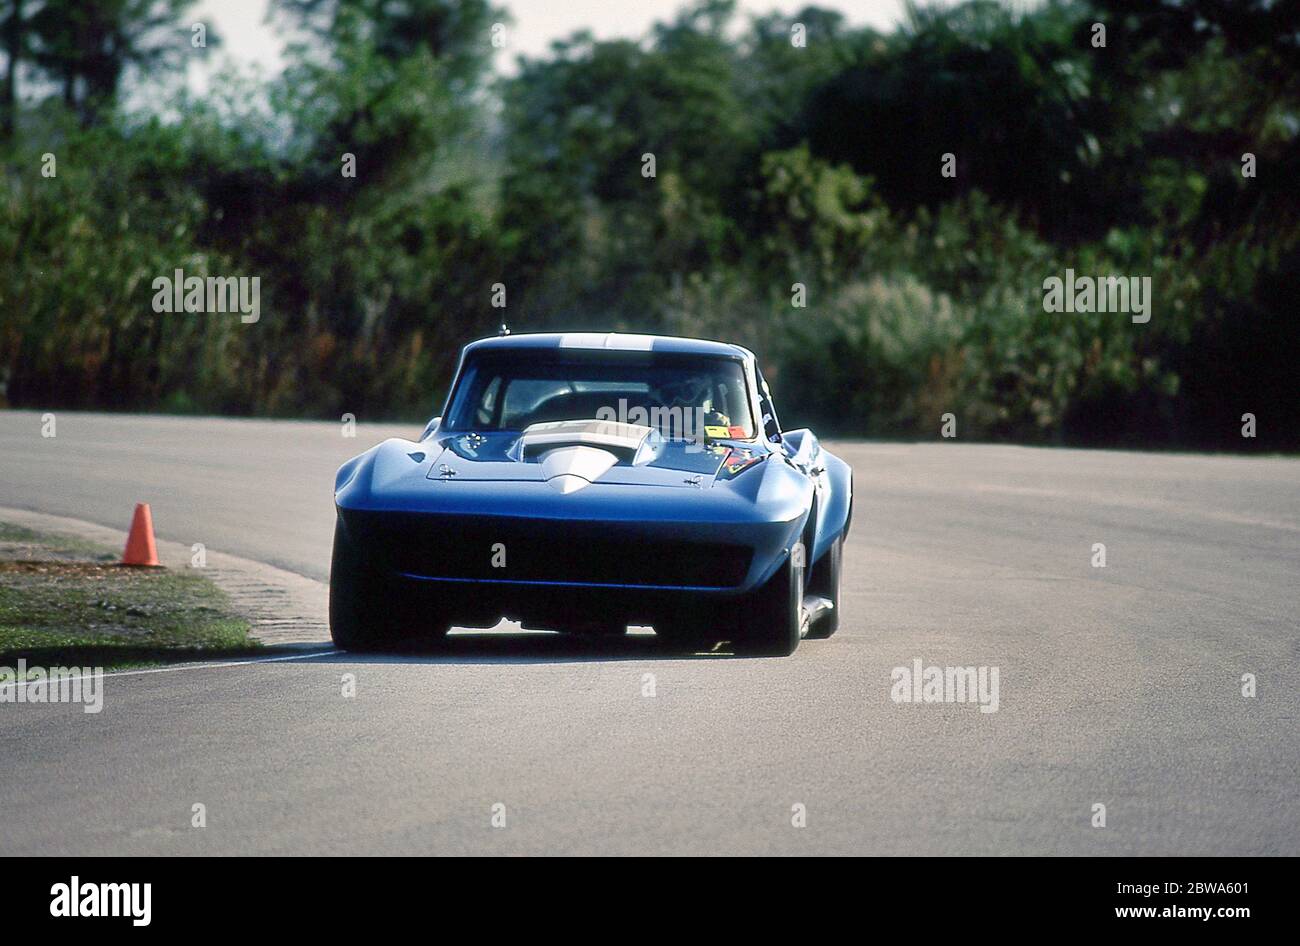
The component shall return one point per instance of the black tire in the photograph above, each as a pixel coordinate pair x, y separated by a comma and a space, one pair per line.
825, 581
367, 613
775, 615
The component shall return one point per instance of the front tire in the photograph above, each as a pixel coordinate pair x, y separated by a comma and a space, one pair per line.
366, 612
825, 581
774, 617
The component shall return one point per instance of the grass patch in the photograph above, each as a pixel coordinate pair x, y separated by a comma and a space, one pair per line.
63, 603
19, 544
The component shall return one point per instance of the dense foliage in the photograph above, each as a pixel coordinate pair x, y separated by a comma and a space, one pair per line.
775, 164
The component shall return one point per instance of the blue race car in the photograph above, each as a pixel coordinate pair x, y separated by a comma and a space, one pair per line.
584, 482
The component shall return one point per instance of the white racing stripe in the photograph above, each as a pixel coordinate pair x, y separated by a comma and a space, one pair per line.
611, 340
198, 666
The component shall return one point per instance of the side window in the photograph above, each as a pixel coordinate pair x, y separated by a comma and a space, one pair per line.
484, 414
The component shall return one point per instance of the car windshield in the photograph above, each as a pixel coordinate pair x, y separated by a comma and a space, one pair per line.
682, 396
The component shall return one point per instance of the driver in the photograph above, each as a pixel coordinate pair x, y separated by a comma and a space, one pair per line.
687, 409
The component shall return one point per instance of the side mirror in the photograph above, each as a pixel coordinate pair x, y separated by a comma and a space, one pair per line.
430, 427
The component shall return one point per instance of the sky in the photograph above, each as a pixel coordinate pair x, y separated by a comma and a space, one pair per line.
248, 39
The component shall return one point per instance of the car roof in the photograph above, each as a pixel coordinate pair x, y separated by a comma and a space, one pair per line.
610, 341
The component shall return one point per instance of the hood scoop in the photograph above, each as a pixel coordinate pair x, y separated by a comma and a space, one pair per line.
570, 469
623, 440
573, 454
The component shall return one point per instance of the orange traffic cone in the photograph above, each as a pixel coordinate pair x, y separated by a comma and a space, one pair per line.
140, 549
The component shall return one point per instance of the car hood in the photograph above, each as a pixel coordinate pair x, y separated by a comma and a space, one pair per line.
571, 455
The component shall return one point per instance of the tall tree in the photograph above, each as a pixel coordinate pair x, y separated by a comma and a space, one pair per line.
86, 45
14, 28
457, 33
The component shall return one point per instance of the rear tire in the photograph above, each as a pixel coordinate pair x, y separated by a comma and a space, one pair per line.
367, 613
774, 616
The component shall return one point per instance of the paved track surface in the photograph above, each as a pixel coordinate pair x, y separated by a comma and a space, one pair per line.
1118, 685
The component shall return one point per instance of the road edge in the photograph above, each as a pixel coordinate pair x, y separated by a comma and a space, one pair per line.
282, 607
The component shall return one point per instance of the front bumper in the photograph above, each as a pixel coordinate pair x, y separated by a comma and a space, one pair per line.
543, 569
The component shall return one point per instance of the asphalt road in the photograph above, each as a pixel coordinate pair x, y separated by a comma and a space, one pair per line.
1118, 686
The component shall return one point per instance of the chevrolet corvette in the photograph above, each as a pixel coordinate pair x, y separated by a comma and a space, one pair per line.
586, 482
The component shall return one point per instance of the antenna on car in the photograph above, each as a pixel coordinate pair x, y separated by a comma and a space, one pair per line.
505, 330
